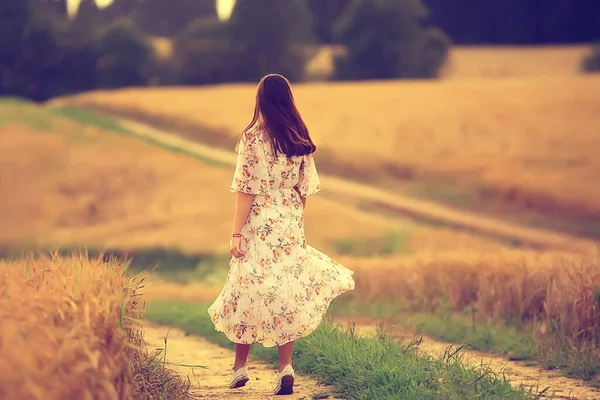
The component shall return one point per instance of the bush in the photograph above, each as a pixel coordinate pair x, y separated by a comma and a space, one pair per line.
202, 52
591, 62
269, 36
385, 39
124, 55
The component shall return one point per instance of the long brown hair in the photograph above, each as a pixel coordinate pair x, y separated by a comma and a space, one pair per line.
276, 112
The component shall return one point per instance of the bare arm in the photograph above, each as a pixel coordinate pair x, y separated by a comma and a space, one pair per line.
302, 198
243, 202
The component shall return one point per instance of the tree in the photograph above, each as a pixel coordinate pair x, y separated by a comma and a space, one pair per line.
87, 20
120, 9
591, 62
270, 36
385, 39
58, 7
202, 52
325, 14
517, 21
170, 17
123, 55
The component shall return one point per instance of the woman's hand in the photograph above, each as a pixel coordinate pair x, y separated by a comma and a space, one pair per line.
235, 247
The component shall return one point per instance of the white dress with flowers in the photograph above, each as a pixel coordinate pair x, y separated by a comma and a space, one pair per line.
281, 288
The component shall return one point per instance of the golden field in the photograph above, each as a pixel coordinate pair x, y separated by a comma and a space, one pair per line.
72, 183
514, 61
467, 62
556, 294
70, 330
529, 143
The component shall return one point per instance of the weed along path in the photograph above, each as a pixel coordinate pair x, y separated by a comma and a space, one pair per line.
415, 208
559, 387
185, 354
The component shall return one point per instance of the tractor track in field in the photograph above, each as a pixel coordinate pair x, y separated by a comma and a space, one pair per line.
366, 194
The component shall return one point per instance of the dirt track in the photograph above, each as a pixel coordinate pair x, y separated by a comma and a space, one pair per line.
422, 209
211, 382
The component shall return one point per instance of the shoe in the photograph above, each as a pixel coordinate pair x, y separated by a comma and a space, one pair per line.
239, 378
285, 381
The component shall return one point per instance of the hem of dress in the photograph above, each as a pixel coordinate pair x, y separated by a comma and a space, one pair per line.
232, 338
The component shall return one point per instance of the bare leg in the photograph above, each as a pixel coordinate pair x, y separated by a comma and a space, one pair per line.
241, 355
285, 355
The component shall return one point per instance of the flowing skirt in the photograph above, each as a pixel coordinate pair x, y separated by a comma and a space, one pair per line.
281, 289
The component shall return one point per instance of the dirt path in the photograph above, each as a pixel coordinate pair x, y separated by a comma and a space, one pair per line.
517, 373
416, 208
211, 383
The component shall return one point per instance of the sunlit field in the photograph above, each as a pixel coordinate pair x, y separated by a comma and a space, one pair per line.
524, 61
74, 183
523, 143
466, 62
71, 329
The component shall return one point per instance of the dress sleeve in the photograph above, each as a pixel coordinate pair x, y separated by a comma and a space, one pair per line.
308, 182
251, 174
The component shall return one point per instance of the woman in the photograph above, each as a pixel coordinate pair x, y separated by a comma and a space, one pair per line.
278, 288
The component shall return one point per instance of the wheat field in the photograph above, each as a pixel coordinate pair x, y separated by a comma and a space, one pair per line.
71, 330
528, 142
468, 62
554, 294
72, 183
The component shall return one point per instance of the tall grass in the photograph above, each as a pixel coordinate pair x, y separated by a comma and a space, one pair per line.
362, 367
554, 296
70, 329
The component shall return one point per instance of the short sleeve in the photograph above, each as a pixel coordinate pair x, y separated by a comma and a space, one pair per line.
308, 182
251, 174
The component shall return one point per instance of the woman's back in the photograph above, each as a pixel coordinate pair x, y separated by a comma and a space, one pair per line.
263, 171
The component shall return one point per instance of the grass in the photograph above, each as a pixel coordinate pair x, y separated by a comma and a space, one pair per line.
70, 329
395, 242
517, 142
498, 339
522, 304
361, 367
446, 326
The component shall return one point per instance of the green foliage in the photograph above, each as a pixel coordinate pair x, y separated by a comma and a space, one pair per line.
361, 367
202, 52
325, 14
58, 7
385, 39
269, 36
170, 17
591, 62
123, 55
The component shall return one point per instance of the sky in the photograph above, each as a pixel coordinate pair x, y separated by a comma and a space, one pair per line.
224, 7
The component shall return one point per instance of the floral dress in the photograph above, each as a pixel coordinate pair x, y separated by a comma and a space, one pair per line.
281, 288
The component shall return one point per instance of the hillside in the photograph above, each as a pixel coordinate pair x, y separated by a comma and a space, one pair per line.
520, 147
86, 182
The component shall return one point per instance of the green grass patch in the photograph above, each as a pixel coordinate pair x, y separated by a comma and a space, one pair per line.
516, 343
88, 117
504, 340
361, 367
396, 242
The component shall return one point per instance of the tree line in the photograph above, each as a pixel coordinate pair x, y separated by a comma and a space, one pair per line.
44, 53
